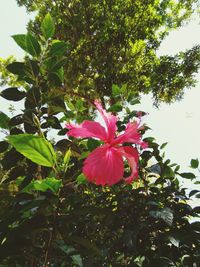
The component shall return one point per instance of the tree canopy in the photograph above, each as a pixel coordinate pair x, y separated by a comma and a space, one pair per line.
50, 214
115, 42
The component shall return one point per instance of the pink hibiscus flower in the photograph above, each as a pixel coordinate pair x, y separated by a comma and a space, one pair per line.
104, 166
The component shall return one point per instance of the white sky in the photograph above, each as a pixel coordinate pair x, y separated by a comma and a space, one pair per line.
178, 124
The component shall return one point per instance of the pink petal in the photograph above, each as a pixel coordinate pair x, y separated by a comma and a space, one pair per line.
131, 154
104, 166
130, 135
109, 119
87, 129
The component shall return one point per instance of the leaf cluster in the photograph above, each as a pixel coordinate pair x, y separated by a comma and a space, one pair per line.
116, 42
50, 215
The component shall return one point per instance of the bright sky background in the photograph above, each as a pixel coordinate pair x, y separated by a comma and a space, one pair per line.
178, 124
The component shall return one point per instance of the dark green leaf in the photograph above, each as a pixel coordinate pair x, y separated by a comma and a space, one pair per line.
193, 192
17, 68
10, 159
35, 148
85, 243
92, 144
33, 47
165, 214
194, 163
3, 146
16, 120
20, 39
4, 121
13, 94
196, 209
135, 101
163, 145
196, 226
32, 69
187, 175
48, 27
15, 173
54, 64
58, 48
33, 98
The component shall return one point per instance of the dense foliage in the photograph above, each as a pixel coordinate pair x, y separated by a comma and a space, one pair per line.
50, 215
115, 42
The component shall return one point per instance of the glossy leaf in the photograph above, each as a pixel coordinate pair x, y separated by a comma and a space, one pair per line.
20, 39
35, 148
33, 47
48, 27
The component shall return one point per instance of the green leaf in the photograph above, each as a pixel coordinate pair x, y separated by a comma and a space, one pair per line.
194, 163
20, 39
115, 90
116, 108
175, 241
4, 121
67, 158
90, 246
165, 214
58, 48
12, 94
77, 260
33, 47
124, 88
3, 146
196, 226
135, 101
17, 68
43, 185
92, 144
163, 145
188, 175
81, 179
48, 27
193, 192
196, 210
35, 148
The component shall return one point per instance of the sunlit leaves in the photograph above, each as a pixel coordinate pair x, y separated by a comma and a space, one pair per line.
34, 148
28, 43
67, 158
43, 185
48, 27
